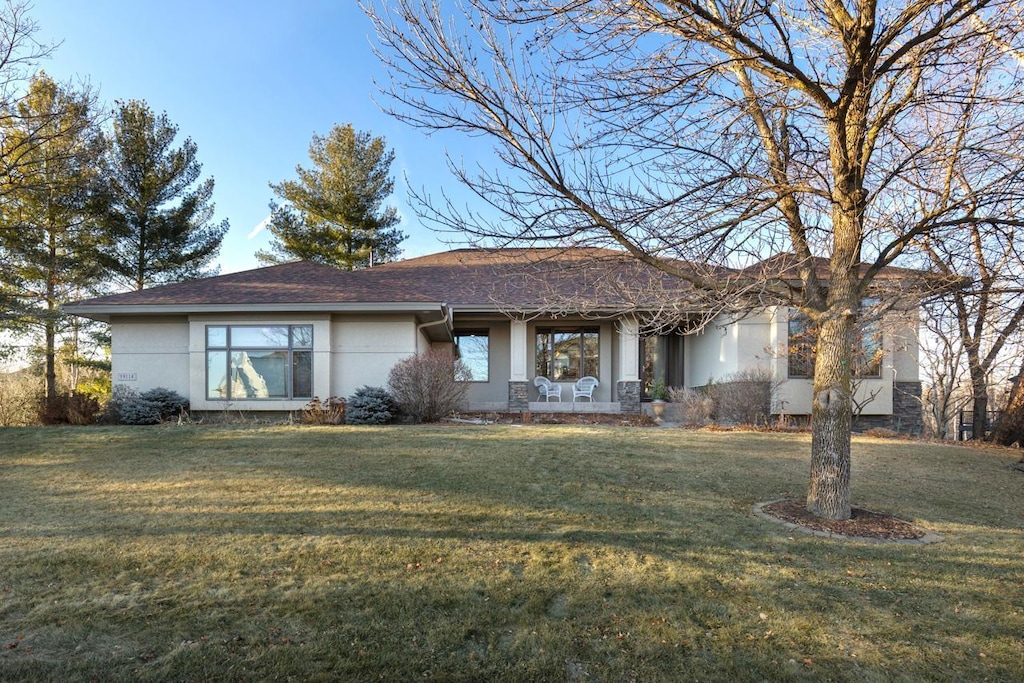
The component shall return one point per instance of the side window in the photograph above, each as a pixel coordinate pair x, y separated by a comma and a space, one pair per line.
475, 351
802, 338
867, 353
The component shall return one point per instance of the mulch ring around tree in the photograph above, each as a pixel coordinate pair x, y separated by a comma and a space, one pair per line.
863, 525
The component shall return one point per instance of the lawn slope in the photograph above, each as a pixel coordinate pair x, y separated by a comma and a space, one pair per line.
498, 553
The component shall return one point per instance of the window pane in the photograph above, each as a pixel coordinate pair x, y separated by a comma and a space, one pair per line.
544, 355
566, 356
868, 361
271, 337
302, 336
217, 375
475, 352
653, 361
258, 374
801, 346
216, 337
302, 374
591, 357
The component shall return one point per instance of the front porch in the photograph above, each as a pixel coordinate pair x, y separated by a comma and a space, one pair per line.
516, 352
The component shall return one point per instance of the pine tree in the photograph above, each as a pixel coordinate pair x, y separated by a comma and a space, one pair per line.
48, 237
158, 220
334, 212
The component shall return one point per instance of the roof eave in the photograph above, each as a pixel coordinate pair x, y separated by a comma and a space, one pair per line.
103, 312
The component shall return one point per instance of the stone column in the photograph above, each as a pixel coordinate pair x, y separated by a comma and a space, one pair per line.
518, 396
627, 388
907, 417
518, 381
628, 392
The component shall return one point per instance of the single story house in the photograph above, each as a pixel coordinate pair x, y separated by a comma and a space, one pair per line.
272, 338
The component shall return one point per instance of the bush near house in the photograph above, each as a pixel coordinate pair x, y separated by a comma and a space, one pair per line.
127, 406
68, 409
429, 386
171, 402
744, 398
369, 406
691, 407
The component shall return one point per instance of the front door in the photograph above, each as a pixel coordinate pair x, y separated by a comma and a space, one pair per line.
661, 357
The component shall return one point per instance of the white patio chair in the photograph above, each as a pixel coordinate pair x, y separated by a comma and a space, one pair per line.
547, 388
584, 387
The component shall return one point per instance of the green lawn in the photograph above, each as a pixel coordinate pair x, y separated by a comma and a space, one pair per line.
498, 553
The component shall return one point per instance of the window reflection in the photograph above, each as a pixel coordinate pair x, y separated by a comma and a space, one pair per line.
566, 354
474, 351
259, 362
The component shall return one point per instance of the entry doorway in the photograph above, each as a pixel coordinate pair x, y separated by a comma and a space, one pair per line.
661, 357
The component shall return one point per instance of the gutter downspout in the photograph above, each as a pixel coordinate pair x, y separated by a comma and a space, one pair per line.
445, 320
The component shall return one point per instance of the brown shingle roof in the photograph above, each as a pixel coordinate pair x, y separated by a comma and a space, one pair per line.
464, 277
564, 280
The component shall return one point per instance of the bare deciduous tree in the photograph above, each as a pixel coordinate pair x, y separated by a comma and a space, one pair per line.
721, 133
944, 393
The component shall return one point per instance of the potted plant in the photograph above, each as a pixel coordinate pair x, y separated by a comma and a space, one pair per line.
659, 395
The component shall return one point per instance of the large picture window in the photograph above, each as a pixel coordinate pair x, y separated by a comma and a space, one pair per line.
566, 354
475, 352
259, 361
803, 337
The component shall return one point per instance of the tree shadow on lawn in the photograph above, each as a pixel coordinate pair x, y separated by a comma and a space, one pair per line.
613, 567
534, 606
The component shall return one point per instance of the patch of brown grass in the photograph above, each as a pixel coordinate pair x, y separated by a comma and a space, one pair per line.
492, 553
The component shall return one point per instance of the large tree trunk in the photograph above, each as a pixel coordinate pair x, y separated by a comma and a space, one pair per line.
979, 401
51, 360
828, 492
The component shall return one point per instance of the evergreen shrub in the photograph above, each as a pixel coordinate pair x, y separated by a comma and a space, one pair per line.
369, 406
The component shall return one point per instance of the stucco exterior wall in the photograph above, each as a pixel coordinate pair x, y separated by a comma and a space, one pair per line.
352, 350
348, 352
874, 394
365, 347
726, 346
150, 352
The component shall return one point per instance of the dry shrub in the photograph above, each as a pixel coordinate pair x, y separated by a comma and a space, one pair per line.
692, 407
745, 397
69, 409
430, 385
20, 395
329, 412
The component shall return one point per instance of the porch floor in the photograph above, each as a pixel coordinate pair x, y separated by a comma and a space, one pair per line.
575, 407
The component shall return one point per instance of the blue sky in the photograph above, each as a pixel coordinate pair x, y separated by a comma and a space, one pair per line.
249, 82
